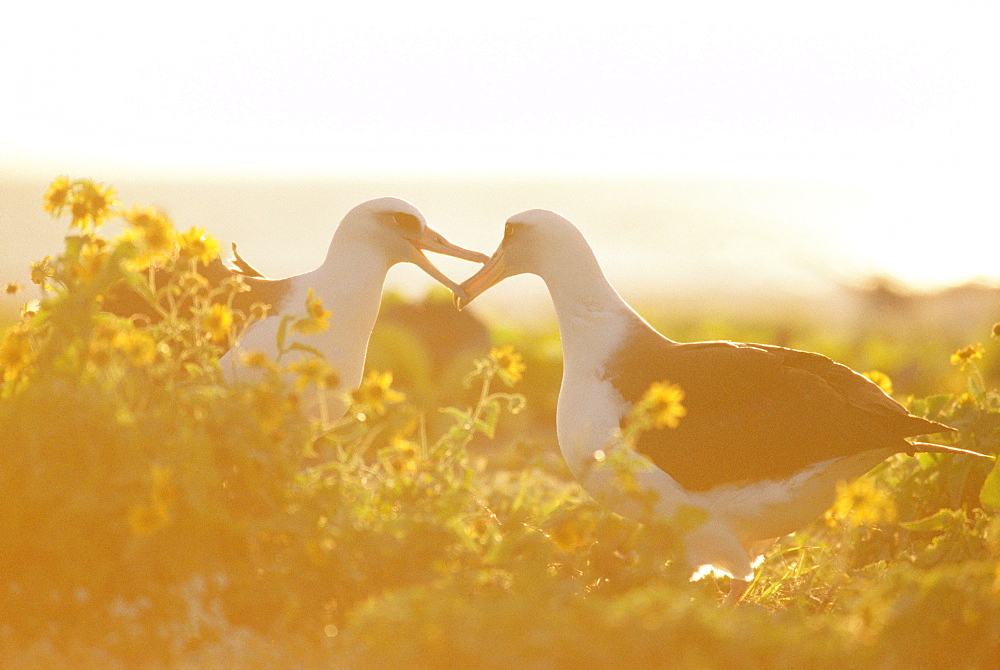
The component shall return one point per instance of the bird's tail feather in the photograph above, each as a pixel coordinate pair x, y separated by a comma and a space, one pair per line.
946, 449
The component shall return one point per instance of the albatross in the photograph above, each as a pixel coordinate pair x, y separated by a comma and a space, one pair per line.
370, 239
768, 431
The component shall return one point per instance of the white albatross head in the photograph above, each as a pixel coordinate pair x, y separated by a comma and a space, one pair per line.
537, 241
400, 234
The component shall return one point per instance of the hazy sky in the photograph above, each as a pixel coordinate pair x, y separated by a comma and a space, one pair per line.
528, 87
902, 98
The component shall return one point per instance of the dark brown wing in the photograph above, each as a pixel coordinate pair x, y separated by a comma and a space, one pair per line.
124, 300
857, 390
757, 412
268, 294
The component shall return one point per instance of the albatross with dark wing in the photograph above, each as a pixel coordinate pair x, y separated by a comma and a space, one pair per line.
371, 238
768, 431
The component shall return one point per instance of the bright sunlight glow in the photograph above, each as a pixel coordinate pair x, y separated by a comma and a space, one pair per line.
895, 100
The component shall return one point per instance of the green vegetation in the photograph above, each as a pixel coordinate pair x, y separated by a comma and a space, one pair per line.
152, 517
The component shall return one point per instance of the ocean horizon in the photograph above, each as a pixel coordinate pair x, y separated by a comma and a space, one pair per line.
657, 239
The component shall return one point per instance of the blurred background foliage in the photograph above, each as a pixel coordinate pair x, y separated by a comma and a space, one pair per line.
153, 517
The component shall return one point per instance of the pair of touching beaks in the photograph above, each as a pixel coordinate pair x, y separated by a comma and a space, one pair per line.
465, 292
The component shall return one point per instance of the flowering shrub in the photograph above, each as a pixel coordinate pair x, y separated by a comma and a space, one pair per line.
151, 516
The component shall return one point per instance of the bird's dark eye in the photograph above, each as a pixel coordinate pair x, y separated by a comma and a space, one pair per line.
407, 222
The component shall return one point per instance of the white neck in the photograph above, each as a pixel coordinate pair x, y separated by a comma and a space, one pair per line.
350, 285
593, 322
590, 312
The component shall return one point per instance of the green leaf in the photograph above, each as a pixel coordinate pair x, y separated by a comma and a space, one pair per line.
74, 244
935, 404
483, 427
989, 495
975, 385
941, 520
461, 417
488, 420
283, 331
515, 401
298, 346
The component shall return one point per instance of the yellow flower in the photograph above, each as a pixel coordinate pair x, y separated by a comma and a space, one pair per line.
862, 503
57, 195
257, 359
966, 400
152, 233
881, 380
137, 346
93, 254
314, 370
272, 406
375, 392
966, 355
402, 454
143, 217
91, 204
102, 344
314, 306
12, 288
317, 317
510, 364
662, 402
15, 352
102, 199
196, 244
42, 270
218, 322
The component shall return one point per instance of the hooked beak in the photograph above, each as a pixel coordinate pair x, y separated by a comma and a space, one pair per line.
491, 273
429, 240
